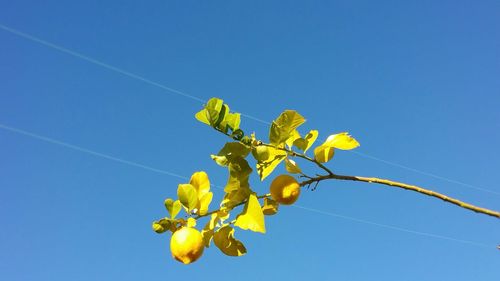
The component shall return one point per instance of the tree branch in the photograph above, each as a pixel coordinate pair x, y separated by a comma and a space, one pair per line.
300, 155
415, 188
407, 187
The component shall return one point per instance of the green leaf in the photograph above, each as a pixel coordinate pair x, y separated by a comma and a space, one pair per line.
292, 167
214, 107
173, 207
270, 207
293, 136
225, 241
284, 126
239, 172
229, 152
188, 196
305, 143
162, 225
235, 197
220, 160
217, 114
208, 231
203, 116
265, 168
222, 114
230, 121
158, 228
252, 217
210, 113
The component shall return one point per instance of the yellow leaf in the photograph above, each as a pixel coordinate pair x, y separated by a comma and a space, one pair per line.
265, 168
201, 183
162, 225
231, 121
252, 217
204, 202
225, 241
270, 207
208, 231
342, 141
293, 136
210, 113
323, 153
292, 167
207, 235
230, 152
239, 172
188, 196
284, 126
305, 143
191, 222
202, 116
223, 215
173, 207
235, 197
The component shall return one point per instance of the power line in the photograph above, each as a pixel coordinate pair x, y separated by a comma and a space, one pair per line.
172, 90
98, 62
165, 172
425, 173
88, 151
397, 228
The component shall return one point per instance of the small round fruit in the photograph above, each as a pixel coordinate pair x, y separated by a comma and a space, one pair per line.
285, 189
186, 245
260, 153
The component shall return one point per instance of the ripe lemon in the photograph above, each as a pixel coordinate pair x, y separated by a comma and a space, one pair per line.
285, 189
186, 245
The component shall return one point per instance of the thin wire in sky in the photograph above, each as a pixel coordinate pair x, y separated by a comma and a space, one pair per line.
165, 172
175, 91
88, 151
397, 228
425, 173
98, 62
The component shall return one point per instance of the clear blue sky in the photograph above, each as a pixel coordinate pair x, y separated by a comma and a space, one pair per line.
417, 83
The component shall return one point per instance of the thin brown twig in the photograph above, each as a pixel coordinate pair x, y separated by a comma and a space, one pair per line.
415, 188
407, 187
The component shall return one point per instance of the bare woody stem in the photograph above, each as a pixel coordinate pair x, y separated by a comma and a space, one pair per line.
407, 187
415, 188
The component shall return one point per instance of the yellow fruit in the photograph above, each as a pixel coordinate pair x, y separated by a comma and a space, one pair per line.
186, 245
285, 189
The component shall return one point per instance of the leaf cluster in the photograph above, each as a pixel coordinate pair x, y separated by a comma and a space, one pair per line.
194, 198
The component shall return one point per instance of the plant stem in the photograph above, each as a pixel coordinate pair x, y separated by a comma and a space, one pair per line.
300, 155
230, 208
415, 188
407, 187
